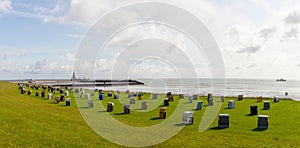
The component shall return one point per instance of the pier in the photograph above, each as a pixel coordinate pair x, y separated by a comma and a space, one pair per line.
79, 82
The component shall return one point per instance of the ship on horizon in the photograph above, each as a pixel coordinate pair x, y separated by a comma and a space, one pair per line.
281, 80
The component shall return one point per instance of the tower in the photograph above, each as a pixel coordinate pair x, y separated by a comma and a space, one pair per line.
73, 76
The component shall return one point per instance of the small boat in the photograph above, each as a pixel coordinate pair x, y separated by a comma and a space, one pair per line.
281, 80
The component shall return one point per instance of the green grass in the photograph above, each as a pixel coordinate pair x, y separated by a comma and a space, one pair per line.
138, 117
29, 121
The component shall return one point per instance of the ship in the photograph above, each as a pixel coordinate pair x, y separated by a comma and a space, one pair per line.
281, 80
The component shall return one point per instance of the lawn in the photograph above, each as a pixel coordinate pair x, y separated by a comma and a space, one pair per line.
29, 121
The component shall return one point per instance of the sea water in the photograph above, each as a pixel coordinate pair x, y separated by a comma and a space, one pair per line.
218, 87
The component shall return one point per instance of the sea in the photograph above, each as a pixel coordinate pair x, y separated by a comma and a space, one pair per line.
218, 87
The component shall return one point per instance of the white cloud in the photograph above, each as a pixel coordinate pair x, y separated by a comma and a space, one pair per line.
117, 49
249, 49
293, 17
290, 34
8, 54
36, 10
258, 36
74, 35
88, 11
61, 66
257, 40
267, 32
5, 6
269, 47
252, 65
247, 37
233, 34
8, 67
44, 10
37, 67
68, 57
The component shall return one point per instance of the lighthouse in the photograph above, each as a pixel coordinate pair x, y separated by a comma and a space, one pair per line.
73, 77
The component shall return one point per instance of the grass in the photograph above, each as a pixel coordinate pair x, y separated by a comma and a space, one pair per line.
138, 117
29, 121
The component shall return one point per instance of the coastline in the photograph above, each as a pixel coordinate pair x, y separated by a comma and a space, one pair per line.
232, 87
108, 89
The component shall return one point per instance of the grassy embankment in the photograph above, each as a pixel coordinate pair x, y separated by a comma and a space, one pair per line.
37, 122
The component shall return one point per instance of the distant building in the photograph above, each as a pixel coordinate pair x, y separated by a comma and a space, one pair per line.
82, 79
29, 80
73, 77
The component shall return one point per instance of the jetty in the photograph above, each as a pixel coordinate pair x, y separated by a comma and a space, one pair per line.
79, 82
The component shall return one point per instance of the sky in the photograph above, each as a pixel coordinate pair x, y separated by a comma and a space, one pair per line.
257, 39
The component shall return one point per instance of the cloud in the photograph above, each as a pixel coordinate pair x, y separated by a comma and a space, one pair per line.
293, 17
5, 6
267, 32
44, 10
256, 41
233, 31
74, 35
252, 65
59, 65
232, 35
104, 65
37, 67
290, 34
78, 10
250, 49
253, 30
237, 68
4, 56
8, 68
51, 11
68, 57
8, 54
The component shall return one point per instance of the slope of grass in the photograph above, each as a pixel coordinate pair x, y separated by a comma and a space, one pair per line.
29, 121
284, 117
138, 117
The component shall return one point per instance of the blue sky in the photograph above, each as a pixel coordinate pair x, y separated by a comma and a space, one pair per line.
29, 36
257, 38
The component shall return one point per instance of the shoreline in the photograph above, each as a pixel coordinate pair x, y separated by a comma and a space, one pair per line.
225, 96
186, 90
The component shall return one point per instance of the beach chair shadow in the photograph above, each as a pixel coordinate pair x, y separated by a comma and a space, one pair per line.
119, 113
216, 128
250, 115
265, 109
179, 124
163, 106
138, 109
155, 118
258, 129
